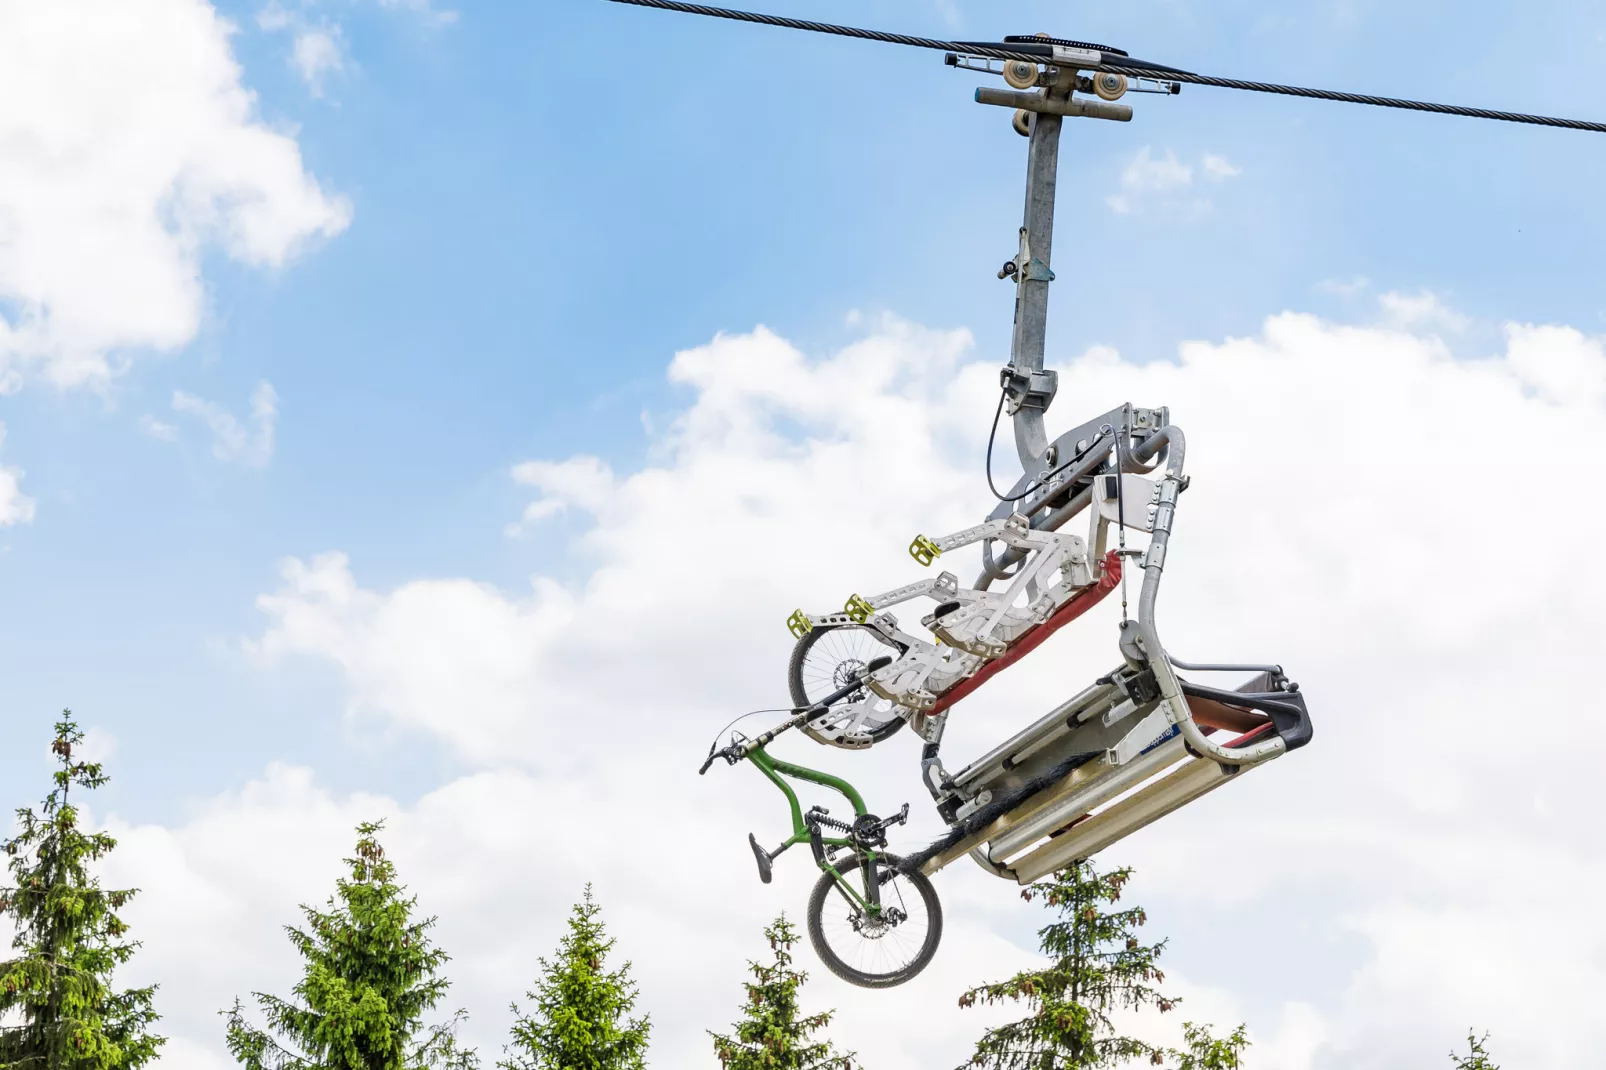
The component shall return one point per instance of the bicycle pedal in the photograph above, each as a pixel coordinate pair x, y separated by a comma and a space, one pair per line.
765, 871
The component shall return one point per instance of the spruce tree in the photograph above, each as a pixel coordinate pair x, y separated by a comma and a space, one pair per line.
1207, 1052
580, 1015
369, 977
1476, 1058
58, 990
1099, 966
773, 1033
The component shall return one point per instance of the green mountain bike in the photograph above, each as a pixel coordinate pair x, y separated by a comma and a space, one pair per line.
873, 922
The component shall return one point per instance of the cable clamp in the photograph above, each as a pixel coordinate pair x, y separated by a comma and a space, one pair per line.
1027, 390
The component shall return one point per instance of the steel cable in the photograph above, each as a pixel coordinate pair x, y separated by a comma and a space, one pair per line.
1349, 98
1139, 71
830, 28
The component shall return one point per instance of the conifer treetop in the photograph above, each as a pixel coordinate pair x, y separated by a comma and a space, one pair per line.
1477, 1058
580, 1019
69, 939
774, 1034
1205, 1051
370, 975
1098, 966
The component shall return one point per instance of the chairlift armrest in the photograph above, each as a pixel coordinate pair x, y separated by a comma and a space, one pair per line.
1285, 708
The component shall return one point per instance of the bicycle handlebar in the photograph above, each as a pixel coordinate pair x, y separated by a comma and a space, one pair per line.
735, 752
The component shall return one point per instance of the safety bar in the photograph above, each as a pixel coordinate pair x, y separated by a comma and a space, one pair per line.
1175, 703
1275, 670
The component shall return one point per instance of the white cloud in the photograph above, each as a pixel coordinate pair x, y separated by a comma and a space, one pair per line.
232, 440
1562, 365
581, 482
1162, 181
98, 745
132, 146
317, 45
1349, 287
1219, 168
317, 41
318, 52
1146, 174
274, 17
1424, 310
157, 429
1386, 877
424, 9
15, 506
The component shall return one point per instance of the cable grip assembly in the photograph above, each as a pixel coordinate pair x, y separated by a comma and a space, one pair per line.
1027, 390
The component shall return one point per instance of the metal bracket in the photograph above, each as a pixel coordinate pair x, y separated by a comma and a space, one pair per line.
1032, 390
1037, 271
1075, 106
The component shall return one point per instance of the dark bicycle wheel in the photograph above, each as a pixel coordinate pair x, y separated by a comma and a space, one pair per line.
875, 952
828, 658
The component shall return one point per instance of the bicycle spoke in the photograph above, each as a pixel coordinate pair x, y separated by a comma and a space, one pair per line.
877, 948
833, 657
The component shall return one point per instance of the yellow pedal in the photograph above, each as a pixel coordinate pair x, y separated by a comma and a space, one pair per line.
924, 550
799, 624
857, 609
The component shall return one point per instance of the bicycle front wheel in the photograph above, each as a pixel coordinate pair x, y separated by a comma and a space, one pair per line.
875, 951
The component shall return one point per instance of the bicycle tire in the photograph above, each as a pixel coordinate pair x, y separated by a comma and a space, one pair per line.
797, 685
826, 886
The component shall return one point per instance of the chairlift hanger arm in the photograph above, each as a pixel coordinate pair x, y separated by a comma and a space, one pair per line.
1099, 58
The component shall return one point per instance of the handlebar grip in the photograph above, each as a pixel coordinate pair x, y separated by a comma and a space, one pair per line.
706, 764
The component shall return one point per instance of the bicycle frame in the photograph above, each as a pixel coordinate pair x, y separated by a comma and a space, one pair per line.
776, 769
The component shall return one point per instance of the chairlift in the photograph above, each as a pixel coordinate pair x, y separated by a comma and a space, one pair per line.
1138, 743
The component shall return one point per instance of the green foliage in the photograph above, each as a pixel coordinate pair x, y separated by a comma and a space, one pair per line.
1476, 1058
1099, 966
70, 939
1206, 1052
370, 975
773, 1034
580, 1007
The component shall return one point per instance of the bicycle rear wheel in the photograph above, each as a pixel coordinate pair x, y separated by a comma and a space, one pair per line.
826, 659
875, 952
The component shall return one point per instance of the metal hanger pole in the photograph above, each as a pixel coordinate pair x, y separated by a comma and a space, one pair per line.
1031, 295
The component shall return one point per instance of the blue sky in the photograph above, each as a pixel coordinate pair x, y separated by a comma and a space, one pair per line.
550, 198
548, 201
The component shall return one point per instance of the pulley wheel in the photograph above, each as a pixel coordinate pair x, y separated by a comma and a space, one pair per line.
1022, 122
1020, 74
1109, 86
